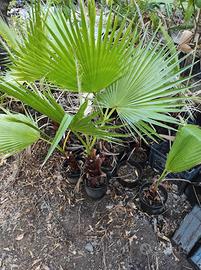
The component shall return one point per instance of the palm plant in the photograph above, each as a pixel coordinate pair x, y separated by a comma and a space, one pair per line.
185, 152
89, 53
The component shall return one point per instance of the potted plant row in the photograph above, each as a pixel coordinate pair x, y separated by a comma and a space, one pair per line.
102, 60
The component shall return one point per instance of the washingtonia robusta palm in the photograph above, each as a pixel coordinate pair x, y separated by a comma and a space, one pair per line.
185, 152
90, 53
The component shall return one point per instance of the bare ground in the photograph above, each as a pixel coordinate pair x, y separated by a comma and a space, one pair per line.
46, 225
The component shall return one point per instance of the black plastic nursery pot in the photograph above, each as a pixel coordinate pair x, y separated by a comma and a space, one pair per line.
129, 174
152, 207
95, 193
73, 177
110, 172
109, 169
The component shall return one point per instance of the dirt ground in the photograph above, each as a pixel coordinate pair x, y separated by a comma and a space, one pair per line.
46, 225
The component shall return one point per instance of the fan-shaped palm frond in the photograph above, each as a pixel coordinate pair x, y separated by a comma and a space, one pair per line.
31, 57
186, 150
149, 91
16, 133
81, 53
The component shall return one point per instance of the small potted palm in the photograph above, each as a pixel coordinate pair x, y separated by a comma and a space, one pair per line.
184, 154
95, 178
72, 168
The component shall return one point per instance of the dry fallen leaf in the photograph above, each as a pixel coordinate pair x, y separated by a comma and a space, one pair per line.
185, 37
185, 48
19, 237
35, 262
131, 239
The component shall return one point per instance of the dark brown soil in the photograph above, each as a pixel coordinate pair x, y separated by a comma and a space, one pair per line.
46, 225
128, 173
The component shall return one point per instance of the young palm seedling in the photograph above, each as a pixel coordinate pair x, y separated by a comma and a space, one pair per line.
96, 179
72, 168
184, 154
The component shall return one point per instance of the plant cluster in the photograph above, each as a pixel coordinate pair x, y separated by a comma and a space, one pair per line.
108, 64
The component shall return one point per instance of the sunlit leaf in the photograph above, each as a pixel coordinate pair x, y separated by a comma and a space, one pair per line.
186, 150
17, 132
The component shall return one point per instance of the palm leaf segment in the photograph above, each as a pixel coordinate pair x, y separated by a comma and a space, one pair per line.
186, 150
90, 125
16, 133
148, 92
80, 54
44, 102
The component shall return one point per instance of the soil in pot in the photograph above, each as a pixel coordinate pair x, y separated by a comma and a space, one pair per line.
138, 156
129, 174
96, 188
152, 201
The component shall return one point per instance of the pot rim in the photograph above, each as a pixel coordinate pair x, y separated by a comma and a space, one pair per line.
73, 175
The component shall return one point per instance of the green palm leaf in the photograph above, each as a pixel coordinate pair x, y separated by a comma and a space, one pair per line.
148, 93
89, 125
60, 132
80, 54
8, 34
186, 150
16, 133
31, 56
41, 102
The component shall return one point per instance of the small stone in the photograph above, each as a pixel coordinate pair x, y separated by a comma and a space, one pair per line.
174, 187
168, 251
89, 247
109, 206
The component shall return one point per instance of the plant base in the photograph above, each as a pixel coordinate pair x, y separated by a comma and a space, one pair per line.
149, 206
